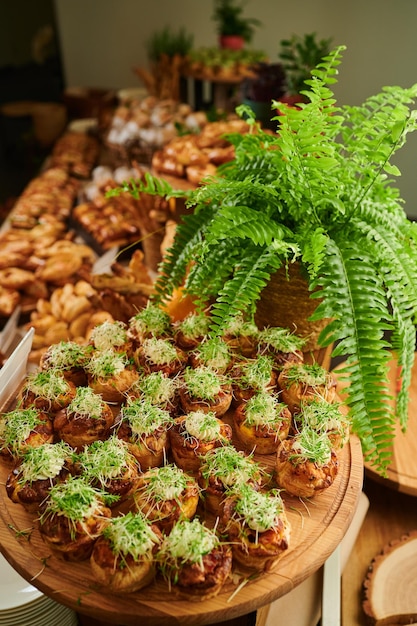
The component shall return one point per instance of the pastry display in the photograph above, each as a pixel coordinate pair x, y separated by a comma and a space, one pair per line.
77, 153
111, 374
22, 429
47, 391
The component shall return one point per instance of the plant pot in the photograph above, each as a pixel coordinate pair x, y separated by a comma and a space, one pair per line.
232, 42
263, 112
286, 302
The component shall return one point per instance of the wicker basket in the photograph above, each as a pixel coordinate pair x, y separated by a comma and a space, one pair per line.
286, 302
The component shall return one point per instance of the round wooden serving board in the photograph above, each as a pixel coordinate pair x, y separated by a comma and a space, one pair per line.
390, 588
317, 528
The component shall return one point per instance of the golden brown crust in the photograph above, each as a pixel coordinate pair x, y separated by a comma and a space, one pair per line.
263, 439
120, 575
114, 388
80, 430
187, 451
297, 393
48, 405
303, 479
218, 405
31, 494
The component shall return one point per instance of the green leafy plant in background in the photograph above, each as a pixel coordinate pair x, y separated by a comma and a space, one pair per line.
319, 192
299, 55
229, 19
170, 43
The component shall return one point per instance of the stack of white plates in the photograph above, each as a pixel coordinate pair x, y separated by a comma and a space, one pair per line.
21, 604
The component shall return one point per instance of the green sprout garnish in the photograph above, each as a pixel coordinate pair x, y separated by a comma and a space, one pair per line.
76, 500
165, 483
106, 460
230, 466
107, 363
310, 375
311, 446
159, 351
202, 382
214, 353
238, 327
47, 384
324, 416
44, 462
130, 535
151, 320
263, 409
86, 403
109, 335
157, 388
188, 542
16, 426
145, 418
202, 426
258, 510
280, 339
194, 326
67, 354
256, 373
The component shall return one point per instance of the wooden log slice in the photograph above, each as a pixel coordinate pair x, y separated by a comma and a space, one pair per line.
390, 588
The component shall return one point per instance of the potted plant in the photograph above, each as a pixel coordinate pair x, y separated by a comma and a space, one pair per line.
233, 28
298, 56
319, 192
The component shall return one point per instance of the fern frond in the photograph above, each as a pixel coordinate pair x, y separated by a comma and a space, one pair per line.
355, 299
151, 185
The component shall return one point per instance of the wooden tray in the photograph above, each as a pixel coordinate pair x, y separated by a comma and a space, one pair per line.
317, 528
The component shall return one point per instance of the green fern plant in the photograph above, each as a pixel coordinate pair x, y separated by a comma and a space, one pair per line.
320, 192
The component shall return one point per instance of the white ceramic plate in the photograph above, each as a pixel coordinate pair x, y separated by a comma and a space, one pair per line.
15, 590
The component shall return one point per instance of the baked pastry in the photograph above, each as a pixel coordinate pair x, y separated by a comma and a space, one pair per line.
193, 435
202, 389
47, 391
144, 426
282, 345
158, 389
151, 321
306, 464
22, 429
195, 562
224, 469
250, 376
109, 466
262, 422
212, 352
72, 518
122, 559
325, 417
110, 374
302, 382
110, 335
160, 355
86, 419
69, 359
242, 337
256, 526
190, 331
41, 467
165, 495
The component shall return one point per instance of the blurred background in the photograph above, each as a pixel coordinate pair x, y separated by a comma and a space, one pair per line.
48, 47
